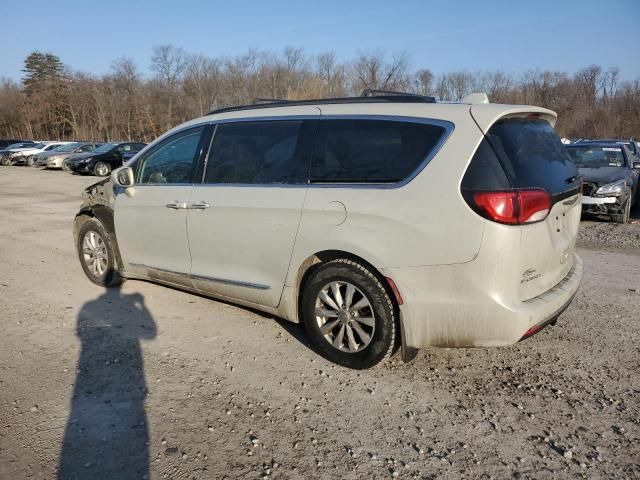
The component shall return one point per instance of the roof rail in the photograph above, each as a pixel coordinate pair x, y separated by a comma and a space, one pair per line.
369, 92
264, 101
368, 96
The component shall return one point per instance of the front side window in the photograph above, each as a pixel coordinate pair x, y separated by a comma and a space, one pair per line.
262, 152
171, 161
371, 151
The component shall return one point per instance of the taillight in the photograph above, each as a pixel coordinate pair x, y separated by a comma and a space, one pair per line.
513, 207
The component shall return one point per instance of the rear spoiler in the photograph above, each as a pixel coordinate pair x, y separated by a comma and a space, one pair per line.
486, 115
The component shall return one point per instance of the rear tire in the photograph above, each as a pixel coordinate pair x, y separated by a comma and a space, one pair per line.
101, 169
96, 254
626, 213
359, 326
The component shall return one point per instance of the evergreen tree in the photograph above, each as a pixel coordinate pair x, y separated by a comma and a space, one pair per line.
40, 68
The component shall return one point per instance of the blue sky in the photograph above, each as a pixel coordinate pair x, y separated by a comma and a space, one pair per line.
512, 36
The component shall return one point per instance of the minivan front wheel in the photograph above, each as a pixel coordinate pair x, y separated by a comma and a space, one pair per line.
349, 314
96, 254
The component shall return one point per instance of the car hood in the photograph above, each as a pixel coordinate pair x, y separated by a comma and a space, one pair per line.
602, 175
49, 154
73, 156
80, 156
25, 150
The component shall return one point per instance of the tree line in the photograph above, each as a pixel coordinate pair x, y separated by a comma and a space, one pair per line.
55, 102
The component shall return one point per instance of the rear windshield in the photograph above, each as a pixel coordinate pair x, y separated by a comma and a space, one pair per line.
532, 155
371, 151
594, 157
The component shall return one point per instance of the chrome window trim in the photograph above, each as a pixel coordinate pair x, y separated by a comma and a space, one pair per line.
225, 281
448, 126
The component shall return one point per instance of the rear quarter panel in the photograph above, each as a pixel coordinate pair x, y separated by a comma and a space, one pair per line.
425, 222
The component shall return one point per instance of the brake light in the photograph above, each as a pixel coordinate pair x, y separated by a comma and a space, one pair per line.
513, 207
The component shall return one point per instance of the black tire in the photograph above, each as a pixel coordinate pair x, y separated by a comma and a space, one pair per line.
383, 340
6, 161
626, 213
30, 161
65, 165
110, 277
100, 168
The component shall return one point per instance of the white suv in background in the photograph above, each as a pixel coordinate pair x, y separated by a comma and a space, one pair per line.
378, 221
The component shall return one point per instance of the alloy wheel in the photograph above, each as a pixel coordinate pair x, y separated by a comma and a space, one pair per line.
94, 253
102, 170
345, 316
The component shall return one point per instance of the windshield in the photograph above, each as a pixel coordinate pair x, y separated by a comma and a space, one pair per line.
105, 148
69, 147
595, 157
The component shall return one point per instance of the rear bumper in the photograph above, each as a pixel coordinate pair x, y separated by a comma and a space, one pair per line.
445, 307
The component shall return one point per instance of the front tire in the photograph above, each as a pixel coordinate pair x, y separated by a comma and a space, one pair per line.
30, 162
349, 314
96, 254
101, 169
626, 213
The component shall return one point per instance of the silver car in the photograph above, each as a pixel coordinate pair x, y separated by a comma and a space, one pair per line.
56, 158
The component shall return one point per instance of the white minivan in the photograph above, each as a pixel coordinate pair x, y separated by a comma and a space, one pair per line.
383, 222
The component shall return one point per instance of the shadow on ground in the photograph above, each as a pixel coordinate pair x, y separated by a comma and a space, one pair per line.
107, 434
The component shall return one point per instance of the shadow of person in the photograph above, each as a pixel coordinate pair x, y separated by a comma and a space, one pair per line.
107, 434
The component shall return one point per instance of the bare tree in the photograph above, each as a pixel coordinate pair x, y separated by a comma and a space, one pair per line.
169, 63
124, 104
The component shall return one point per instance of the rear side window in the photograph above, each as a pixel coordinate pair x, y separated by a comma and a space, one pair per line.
256, 153
371, 151
532, 155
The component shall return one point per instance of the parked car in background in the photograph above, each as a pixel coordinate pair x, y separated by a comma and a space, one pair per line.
5, 152
19, 156
128, 156
375, 221
630, 144
56, 157
610, 175
103, 159
4, 143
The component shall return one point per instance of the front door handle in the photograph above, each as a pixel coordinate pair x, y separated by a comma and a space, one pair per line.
198, 205
176, 205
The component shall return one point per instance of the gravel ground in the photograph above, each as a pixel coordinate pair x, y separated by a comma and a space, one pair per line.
150, 382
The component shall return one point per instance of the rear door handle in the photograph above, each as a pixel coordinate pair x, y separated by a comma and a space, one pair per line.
198, 205
176, 205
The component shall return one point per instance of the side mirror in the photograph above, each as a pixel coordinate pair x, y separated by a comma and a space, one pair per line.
123, 177
636, 164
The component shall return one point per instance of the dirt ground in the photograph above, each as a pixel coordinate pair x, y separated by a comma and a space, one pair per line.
149, 382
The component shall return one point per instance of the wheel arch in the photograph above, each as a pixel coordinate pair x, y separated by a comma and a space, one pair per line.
105, 216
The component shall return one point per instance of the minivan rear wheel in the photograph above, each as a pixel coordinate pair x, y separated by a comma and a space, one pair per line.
349, 314
96, 254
